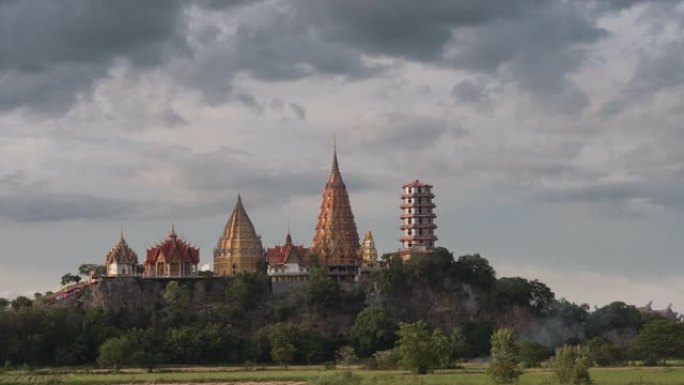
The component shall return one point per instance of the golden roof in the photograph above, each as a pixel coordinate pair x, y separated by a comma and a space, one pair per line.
239, 238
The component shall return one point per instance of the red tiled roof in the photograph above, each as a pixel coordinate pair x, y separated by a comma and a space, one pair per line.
288, 252
173, 248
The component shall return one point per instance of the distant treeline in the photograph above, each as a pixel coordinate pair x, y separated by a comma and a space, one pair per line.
460, 300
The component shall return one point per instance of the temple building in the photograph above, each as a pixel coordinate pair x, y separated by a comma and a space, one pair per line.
172, 257
666, 313
121, 260
288, 263
417, 219
369, 254
336, 242
239, 249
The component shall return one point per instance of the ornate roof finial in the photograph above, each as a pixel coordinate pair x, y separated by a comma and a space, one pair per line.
173, 230
121, 234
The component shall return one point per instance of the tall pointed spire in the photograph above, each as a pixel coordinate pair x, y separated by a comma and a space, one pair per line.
239, 249
336, 240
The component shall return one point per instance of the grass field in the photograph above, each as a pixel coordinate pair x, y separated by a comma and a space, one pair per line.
608, 376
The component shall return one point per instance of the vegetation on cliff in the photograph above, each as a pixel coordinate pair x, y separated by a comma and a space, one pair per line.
457, 302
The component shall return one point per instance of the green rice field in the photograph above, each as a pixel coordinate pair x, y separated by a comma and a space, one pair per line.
470, 376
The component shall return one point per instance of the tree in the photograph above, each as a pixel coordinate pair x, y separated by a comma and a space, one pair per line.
521, 292
419, 350
614, 316
21, 302
531, 353
282, 338
115, 353
570, 365
604, 353
659, 340
372, 331
475, 270
4, 304
69, 278
177, 298
504, 365
86, 269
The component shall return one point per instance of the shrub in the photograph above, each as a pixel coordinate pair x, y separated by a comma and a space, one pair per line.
570, 365
384, 360
531, 353
346, 355
504, 365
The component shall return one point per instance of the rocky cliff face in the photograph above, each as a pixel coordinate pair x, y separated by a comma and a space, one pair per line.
137, 293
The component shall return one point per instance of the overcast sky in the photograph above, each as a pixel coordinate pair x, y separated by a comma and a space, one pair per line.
551, 129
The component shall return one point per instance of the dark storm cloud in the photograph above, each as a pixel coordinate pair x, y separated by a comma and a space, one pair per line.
47, 207
51, 51
211, 179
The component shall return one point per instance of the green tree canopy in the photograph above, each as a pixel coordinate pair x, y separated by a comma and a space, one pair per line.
659, 340
616, 315
373, 331
419, 350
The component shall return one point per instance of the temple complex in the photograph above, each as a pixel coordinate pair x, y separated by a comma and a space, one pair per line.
239, 249
369, 254
121, 260
288, 263
172, 257
336, 242
417, 219
666, 313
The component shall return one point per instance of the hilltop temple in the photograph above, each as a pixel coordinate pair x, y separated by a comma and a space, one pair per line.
369, 254
417, 219
172, 257
288, 263
121, 260
239, 250
336, 241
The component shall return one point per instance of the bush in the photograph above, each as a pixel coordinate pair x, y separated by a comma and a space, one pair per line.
384, 360
504, 365
531, 354
346, 355
115, 353
603, 353
570, 365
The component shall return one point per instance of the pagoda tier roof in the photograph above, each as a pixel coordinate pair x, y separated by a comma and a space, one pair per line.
417, 183
418, 205
418, 226
173, 249
418, 238
414, 215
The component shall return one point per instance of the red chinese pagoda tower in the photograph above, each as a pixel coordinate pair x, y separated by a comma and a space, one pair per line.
336, 241
417, 219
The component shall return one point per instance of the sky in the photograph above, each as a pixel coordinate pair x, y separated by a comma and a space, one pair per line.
551, 130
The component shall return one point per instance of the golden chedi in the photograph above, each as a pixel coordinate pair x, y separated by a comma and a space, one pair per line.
239, 249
